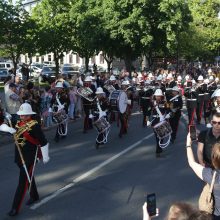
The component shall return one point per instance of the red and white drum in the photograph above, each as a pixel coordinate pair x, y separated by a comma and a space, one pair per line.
118, 101
101, 124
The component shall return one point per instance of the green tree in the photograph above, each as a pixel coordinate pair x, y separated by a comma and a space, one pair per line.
53, 27
15, 29
86, 17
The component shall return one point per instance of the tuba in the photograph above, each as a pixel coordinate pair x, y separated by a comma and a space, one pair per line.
85, 92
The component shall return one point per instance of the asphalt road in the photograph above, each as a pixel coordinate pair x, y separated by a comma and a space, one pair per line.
125, 171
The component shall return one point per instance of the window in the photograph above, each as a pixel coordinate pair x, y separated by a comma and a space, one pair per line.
49, 57
70, 58
101, 58
42, 59
77, 59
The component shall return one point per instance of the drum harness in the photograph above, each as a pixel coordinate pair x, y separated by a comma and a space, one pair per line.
107, 130
64, 123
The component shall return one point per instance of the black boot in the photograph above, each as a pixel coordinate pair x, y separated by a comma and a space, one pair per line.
12, 213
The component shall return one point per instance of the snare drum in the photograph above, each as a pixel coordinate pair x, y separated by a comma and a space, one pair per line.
118, 101
162, 129
60, 116
101, 124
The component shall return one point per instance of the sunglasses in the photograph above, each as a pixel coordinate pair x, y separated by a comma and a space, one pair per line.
216, 122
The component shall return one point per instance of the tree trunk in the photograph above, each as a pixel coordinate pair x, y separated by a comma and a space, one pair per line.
109, 61
87, 63
56, 60
128, 64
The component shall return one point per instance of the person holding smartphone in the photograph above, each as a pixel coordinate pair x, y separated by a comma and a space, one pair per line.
207, 139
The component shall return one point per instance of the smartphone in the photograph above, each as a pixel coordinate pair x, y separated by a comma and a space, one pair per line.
192, 131
151, 204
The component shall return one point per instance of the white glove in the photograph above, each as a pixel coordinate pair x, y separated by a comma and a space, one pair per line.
102, 114
50, 110
91, 116
6, 128
162, 118
45, 153
167, 116
148, 123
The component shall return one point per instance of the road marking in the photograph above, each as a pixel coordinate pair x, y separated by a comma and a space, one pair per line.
88, 173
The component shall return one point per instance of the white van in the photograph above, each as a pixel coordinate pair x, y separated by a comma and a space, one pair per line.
6, 65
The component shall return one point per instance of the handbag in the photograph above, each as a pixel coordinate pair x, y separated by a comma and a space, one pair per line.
206, 199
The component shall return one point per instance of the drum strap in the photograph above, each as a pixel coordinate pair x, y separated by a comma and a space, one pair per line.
158, 110
174, 98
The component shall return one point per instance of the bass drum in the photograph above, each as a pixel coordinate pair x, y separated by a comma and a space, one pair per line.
118, 101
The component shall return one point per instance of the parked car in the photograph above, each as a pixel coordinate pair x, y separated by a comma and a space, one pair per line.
3, 74
6, 65
70, 71
48, 73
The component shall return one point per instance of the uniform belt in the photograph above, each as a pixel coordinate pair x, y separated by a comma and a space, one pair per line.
201, 94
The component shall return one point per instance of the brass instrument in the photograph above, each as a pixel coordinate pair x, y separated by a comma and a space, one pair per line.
110, 88
85, 92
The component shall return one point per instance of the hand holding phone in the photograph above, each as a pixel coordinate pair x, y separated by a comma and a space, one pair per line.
151, 204
192, 131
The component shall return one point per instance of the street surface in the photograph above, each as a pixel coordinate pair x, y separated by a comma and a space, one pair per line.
82, 183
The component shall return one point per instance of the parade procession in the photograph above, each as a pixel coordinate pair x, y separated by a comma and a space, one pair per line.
110, 110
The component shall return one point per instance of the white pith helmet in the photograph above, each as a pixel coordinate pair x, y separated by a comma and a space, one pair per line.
158, 92
88, 79
25, 109
187, 77
99, 90
112, 78
179, 78
200, 77
125, 83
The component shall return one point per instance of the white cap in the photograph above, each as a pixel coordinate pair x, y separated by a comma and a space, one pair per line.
179, 78
112, 78
99, 90
125, 83
59, 85
200, 77
88, 79
158, 92
175, 88
92, 77
25, 109
209, 70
